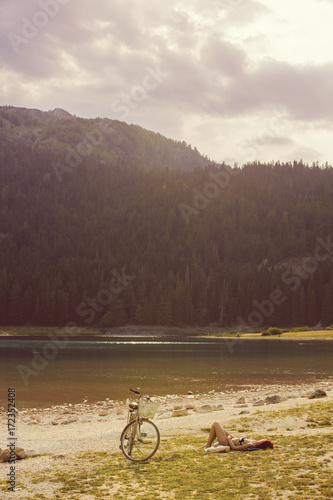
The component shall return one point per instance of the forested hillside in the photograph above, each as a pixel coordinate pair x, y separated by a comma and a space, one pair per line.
112, 242
70, 139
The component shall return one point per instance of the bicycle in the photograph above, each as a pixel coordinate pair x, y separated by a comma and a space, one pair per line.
140, 438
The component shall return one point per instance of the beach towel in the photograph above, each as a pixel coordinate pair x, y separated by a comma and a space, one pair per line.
264, 444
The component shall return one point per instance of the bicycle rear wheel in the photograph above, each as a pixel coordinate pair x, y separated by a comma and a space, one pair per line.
140, 440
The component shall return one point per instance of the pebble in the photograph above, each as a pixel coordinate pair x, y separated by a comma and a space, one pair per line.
180, 413
190, 407
205, 409
273, 399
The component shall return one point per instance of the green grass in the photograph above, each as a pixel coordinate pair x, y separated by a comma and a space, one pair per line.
44, 331
180, 469
320, 334
298, 468
318, 413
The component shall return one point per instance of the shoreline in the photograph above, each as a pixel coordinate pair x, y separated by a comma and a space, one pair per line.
228, 392
245, 388
112, 414
165, 337
135, 331
64, 436
199, 338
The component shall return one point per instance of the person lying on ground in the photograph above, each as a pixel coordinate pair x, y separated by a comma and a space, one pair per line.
224, 438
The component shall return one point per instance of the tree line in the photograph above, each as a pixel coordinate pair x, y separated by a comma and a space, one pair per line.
116, 243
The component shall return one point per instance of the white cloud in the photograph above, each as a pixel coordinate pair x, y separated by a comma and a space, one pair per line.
232, 65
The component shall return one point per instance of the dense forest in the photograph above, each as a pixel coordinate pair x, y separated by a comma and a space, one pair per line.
114, 241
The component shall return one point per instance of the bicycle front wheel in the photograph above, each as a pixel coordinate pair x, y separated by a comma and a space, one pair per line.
140, 440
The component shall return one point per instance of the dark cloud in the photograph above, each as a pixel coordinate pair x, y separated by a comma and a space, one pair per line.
279, 141
91, 54
304, 91
307, 154
222, 58
267, 138
110, 43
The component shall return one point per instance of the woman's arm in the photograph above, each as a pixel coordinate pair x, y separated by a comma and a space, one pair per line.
238, 448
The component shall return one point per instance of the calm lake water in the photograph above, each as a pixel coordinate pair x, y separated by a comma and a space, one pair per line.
100, 369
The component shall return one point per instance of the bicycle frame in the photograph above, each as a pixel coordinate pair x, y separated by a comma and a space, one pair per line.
140, 437
133, 414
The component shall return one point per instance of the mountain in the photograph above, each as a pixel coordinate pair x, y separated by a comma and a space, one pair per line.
111, 234
71, 139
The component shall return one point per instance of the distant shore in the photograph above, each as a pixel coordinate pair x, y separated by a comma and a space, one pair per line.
152, 331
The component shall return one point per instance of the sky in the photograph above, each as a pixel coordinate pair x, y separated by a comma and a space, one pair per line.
240, 80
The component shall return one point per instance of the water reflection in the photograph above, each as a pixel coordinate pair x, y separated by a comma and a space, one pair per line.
106, 369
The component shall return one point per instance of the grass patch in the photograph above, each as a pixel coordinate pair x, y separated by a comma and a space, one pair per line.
318, 413
3, 486
44, 331
296, 469
320, 334
181, 470
285, 334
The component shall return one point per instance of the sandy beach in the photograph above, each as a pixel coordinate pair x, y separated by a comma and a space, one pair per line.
64, 432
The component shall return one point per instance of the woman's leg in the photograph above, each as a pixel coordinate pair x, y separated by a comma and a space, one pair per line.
218, 432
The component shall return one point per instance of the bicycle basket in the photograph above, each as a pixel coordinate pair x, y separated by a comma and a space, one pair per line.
147, 408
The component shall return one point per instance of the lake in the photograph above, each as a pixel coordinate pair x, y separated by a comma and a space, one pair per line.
108, 367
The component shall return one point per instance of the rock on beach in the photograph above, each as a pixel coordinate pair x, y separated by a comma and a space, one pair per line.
205, 409
180, 413
270, 400
319, 393
7, 454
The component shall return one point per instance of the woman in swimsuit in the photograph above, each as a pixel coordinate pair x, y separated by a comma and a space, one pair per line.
224, 438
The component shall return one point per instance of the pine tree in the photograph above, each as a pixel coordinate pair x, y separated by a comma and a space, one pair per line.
15, 304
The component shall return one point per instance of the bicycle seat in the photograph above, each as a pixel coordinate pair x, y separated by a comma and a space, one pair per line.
133, 406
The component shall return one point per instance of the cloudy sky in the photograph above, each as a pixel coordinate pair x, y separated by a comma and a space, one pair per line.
239, 79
